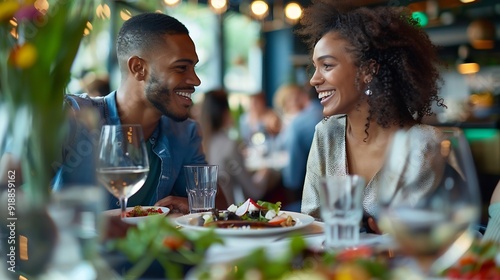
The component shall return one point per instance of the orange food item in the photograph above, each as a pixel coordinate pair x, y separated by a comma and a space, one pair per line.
173, 242
139, 211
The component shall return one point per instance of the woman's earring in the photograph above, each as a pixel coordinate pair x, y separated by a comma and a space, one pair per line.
368, 91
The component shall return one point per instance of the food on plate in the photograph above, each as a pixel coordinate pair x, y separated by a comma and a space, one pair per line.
249, 214
140, 211
481, 261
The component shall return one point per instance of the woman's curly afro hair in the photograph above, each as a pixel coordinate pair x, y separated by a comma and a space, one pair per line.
406, 80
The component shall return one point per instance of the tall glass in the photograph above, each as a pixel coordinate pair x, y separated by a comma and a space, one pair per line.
342, 210
427, 204
122, 164
201, 187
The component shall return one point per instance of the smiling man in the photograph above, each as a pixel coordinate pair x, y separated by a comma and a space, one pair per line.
156, 57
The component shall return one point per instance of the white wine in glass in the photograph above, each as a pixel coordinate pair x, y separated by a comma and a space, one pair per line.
122, 164
426, 208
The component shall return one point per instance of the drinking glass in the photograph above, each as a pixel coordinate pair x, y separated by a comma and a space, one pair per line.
426, 204
342, 210
201, 187
122, 164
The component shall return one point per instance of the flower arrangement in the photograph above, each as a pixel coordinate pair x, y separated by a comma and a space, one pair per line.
39, 43
157, 239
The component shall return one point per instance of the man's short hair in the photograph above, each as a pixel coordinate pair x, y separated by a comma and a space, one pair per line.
144, 32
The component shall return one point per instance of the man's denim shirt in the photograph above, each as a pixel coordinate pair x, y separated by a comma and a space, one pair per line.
175, 143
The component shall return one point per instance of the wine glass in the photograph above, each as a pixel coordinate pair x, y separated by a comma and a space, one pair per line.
428, 203
122, 164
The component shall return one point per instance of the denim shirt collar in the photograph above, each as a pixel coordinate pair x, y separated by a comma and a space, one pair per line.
112, 114
159, 146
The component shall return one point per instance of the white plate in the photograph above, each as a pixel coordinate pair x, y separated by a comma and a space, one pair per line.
301, 220
135, 220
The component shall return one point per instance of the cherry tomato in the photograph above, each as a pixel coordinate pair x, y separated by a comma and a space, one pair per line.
173, 242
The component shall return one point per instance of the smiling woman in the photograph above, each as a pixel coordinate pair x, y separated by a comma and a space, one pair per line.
375, 73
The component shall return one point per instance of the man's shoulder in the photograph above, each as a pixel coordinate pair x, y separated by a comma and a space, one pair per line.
78, 100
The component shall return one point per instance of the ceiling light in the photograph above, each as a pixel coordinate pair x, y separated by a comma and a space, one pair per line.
171, 3
125, 14
103, 11
259, 9
481, 34
465, 65
218, 6
293, 11
466, 68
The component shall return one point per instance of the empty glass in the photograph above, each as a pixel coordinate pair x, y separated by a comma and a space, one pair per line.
201, 187
341, 209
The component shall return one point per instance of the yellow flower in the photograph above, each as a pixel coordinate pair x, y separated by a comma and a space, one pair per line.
23, 56
8, 9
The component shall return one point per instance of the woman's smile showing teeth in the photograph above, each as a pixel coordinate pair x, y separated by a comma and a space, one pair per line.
324, 95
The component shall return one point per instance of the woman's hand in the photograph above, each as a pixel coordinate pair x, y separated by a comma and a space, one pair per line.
373, 226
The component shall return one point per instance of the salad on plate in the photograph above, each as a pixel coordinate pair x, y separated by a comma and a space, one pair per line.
249, 214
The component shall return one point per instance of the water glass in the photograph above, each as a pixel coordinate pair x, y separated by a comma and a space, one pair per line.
201, 187
341, 210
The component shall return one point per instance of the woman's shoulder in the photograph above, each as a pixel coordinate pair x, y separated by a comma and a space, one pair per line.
332, 123
331, 126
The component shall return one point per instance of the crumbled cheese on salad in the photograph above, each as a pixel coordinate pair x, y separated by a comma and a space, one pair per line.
232, 208
252, 208
207, 217
270, 214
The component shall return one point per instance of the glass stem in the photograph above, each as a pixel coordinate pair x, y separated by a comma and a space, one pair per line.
123, 207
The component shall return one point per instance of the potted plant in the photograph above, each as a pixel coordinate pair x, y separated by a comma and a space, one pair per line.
40, 40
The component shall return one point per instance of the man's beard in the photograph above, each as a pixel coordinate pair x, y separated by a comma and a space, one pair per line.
160, 96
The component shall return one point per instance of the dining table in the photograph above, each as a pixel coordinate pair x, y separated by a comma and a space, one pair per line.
239, 244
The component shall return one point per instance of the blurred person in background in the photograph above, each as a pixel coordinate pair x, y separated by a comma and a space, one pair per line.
298, 139
236, 181
259, 118
95, 85
288, 101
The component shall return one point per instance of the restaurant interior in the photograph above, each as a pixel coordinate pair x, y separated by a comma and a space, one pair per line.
247, 47
249, 50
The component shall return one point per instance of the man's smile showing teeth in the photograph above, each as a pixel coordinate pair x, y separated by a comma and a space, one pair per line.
184, 94
325, 94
